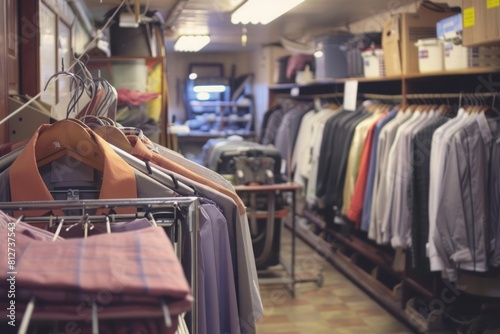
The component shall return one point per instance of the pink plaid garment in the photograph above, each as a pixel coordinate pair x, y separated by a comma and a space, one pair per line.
126, 274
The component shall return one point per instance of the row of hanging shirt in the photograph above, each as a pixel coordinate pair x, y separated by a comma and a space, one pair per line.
423, 179
99, 160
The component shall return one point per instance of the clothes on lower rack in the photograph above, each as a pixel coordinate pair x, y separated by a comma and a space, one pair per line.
136, 269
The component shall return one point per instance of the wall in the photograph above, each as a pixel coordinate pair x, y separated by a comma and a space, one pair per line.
177, 71
264, 65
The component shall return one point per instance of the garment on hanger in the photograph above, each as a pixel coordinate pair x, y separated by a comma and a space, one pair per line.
399, 215
335, 178
356, 205
302, 152
364, 183
439, 156
273, 124
99, 263
386, 139
141, 151
419, 194
334, 128
363, 130
249, 303
463, 232
265, 121
24, 182
318, 131
288, 130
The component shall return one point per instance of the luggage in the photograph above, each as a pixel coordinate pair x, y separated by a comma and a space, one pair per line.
245, 162
221, 156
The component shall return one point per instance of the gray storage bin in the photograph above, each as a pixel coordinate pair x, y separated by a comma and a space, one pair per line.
333, 62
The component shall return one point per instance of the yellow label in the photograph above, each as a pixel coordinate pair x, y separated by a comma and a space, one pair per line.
469, 17
492, 3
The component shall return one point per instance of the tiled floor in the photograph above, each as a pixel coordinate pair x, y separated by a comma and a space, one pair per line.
337, 307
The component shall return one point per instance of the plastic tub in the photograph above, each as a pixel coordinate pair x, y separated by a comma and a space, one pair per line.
459, 57
455, 56
331, 60
373, 63
430, 55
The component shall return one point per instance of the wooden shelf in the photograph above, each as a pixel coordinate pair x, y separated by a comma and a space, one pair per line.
217, 104
309, 84
339, 81
379, 79
465, 71
373, 254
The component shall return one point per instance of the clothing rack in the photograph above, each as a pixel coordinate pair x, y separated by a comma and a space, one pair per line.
428, 96
189, 205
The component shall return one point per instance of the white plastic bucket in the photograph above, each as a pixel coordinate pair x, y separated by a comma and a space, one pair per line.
455, 56
430, 55
373, 63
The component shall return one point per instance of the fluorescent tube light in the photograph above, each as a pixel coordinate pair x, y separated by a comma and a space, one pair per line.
127, 20
209, 89
262, 11
191, 43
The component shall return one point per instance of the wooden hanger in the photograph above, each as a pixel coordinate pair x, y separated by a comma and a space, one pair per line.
68, 138
442, 109
114, 136
412, 107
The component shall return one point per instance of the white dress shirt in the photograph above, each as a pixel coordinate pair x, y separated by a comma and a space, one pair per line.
400, 214
439, 155
389, 178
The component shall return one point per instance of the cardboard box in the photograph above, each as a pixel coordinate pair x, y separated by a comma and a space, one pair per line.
391, 47
480, 21
450, 28
405, 30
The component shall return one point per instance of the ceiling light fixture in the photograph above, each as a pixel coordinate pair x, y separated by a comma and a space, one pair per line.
191, 43
209, 89
262, 11
128, 20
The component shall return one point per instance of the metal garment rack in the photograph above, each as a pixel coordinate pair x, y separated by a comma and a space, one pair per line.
189, 205
271, 189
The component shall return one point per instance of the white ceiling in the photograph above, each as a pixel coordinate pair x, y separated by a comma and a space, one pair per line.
214, 17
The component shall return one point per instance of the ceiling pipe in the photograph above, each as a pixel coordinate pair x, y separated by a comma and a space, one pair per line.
82, 12
173, 15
